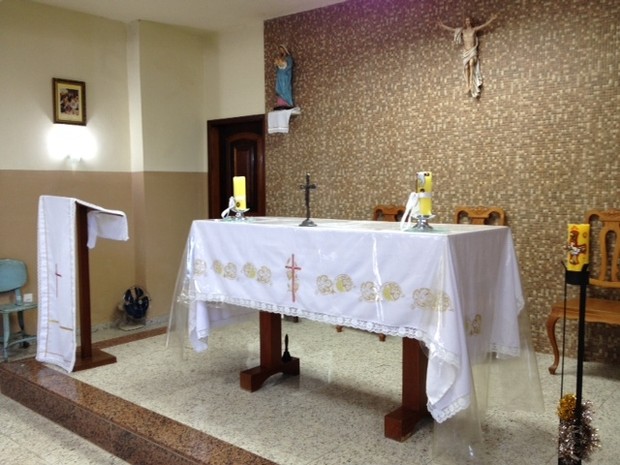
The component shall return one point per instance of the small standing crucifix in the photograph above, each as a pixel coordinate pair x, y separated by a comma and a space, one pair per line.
307, 187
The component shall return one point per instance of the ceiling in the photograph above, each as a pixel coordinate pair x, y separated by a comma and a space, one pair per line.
210, 15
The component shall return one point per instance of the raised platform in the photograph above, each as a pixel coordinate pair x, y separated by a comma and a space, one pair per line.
132, 433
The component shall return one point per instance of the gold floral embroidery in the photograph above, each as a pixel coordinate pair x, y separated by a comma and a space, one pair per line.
372, 292
264, 275
473, 327
344, 283
249, 270
391, 291
230, 271
426, 299
369, 291
324, 285
200, 267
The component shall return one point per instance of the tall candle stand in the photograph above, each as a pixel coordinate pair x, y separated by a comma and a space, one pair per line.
581, 279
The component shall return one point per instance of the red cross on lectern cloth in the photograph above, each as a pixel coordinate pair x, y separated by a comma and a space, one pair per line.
58, 275
292, 267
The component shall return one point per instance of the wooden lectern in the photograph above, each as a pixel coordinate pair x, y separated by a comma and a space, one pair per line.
87, 356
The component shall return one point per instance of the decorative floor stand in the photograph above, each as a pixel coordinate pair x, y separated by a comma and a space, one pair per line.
577, 438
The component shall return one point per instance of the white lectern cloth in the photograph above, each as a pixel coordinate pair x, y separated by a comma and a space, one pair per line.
56, 332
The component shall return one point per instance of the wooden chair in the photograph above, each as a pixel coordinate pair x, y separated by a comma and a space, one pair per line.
388, 212
384, 213
13, 276
480, 215
604, 276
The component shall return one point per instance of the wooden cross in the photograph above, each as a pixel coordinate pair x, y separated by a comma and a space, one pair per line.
307, 187
293, 267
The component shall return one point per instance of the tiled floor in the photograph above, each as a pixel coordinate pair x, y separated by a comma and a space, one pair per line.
330, 415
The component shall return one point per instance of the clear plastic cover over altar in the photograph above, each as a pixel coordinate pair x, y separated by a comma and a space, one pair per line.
456, 289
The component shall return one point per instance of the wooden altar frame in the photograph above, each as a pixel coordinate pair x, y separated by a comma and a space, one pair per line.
398, 424
87, 356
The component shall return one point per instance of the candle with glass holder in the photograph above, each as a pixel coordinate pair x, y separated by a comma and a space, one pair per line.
424, 191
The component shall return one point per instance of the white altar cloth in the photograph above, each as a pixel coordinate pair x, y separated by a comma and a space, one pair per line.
56, 332
457, 289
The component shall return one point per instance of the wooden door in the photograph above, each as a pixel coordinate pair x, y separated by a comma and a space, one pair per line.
236, 148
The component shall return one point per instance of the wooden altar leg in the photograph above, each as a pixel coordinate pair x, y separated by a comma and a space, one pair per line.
400, 424
87, 356
271, 363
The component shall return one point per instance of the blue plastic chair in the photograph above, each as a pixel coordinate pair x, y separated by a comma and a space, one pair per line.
13, 276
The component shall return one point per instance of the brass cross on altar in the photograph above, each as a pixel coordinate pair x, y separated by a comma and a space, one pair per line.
307, 187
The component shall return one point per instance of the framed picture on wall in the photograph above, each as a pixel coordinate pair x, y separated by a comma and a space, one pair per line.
69, 101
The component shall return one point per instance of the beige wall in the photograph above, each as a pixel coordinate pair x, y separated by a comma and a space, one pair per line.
148, 94
382, 96
172, 89
159, 221
35, 46
112, 266
235, 69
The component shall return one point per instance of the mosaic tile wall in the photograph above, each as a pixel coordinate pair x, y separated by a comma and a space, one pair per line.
382, 95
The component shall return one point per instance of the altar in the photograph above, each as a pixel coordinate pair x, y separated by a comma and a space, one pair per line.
452, 294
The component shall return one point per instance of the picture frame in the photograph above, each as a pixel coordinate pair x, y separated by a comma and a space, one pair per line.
69, 101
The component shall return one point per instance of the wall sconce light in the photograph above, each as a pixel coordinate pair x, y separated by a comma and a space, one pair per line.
74, 158
72, 143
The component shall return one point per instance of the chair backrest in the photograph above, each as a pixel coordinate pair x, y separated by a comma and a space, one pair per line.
605, 252
13, 274
388, 212
480, 215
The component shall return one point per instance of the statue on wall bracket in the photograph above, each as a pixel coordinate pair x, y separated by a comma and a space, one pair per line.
466, 36
284, 79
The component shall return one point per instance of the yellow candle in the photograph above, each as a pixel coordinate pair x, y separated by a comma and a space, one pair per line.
239, 192
578, 246
424, 189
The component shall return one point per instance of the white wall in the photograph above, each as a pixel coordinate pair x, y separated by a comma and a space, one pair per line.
135, 97
235, 68
173, 89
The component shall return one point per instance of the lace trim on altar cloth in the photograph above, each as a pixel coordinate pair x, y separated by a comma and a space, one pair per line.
441, 415
413, 333
187, 296
505, 351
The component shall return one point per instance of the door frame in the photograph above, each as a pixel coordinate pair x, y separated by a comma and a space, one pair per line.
215, 128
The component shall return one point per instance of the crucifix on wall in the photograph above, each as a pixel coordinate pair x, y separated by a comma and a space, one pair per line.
466, 36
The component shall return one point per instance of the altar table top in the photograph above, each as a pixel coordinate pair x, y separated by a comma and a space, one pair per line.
456, 288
